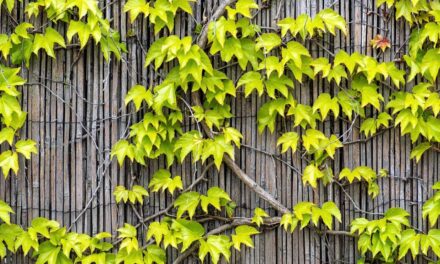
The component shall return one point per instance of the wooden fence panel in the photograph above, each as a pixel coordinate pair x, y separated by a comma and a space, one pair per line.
76, 112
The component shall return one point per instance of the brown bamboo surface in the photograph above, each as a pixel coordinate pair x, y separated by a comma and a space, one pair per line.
76, 113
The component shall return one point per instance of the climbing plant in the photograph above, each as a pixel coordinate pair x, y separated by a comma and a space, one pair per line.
272, 61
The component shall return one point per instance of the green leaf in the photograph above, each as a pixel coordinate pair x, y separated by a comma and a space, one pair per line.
187, 202
324, 103
162, 180
51, 254
136, 7
82, 29
286, 25
243, 236
431, 64
258, 216
217, 148
287, 220
43, 227
337, 73
192, 142
268, 41
369, 93
311, 175
128, 231
47, 42
7, 134
8, 161
409, 241
121, 150
158, 230
288, 140
294, 52
5, 210
26, 147
84, 7
190, 231
280, 84
155, 254
138, 94
403, 9
333, 20
418, 151
231, 135
215, 197
350, 61
215, 245
333, 209
242, 7
9, 4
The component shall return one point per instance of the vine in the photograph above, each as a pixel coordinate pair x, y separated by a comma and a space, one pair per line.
272, 61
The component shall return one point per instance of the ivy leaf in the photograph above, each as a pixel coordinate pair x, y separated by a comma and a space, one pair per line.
8, 161
112, 44
268, 41
9, 4
43, 227
5, 211
418, 151
121, 194
303, 115
217, 148
5, 45
368, 126
258, 216
321, 65
311, 175
82, 29
217, 30
137, 194
155, 254
158, 230
287, 220
47, 41
26, 147
138, 94
369, 93
127, 231
84, 6
49, 253
121, 150
325, 103
136, 7
232, 135
350, 61
7, 134
333, 20
243, 236
215, 246
403, 9
162, 180
333, 209
336, 74
431, 63
190, 231
288, 140
192, 142
409, 241
294, 52
215, 197
286, 25
380, 42
281, 84
187, 202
